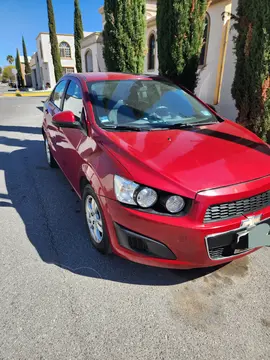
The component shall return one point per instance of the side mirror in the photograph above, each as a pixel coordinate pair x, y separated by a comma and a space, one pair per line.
212, 107
66, 119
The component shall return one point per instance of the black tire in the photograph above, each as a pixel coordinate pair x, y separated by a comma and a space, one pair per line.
50, 159
103, 245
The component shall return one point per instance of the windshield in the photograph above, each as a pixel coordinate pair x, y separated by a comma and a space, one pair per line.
145, 104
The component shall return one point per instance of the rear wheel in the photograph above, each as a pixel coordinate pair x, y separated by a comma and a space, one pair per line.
95, 221
50, 159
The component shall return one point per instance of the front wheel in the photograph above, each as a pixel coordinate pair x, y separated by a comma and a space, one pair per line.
50, 159
95, 221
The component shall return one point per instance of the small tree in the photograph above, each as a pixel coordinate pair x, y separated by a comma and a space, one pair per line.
78, 34
124, 35
10, 59
19, 70
251, 86
54, 42
1, 70
26, 61
7, 74
180, 28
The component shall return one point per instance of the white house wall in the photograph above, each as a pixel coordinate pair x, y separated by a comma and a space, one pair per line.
68, 62
93, 43
93, 48
46, 63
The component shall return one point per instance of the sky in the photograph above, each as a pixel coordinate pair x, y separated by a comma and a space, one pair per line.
29, 17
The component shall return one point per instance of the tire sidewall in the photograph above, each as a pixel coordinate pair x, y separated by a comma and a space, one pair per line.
52, 163
104, 245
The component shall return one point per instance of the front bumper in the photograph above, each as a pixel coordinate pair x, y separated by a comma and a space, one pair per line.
186, 241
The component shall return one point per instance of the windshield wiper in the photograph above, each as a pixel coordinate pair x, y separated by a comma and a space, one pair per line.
176, 126
185, 125
201, 123
124, 128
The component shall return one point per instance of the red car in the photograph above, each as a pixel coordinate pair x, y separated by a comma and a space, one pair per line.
164, 180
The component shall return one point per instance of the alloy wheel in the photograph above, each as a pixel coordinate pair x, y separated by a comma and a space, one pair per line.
93, 218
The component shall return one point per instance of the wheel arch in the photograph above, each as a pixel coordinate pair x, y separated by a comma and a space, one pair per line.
89, 177
83, 182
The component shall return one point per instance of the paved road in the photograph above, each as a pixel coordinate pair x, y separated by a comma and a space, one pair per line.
60, 299
4, 88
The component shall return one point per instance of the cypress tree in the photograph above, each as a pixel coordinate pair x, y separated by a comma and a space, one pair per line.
124, 35
26, 62
54, 42
78, 34
180, 27
19, 70
251, 86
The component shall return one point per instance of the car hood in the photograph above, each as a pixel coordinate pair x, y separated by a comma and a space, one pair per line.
194, 159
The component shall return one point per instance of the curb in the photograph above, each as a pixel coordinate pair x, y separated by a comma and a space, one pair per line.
27, 94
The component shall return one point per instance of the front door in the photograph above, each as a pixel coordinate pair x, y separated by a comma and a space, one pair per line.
72, 162
52, 107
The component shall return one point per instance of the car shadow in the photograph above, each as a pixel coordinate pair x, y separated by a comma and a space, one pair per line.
51, 213
21, 129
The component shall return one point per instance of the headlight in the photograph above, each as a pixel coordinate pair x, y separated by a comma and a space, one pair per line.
130, 193
146, 197
124, 190
174, 204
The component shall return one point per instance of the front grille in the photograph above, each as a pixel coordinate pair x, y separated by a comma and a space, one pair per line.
237, 208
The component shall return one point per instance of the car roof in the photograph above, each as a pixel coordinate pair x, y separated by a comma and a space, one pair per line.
101, 76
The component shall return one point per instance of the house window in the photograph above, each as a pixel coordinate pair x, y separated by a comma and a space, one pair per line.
65, 51
151, 52
67, 70
88, 61
203, 55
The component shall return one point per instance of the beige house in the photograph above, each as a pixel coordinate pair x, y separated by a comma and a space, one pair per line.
91, 50
42, 68
217, 62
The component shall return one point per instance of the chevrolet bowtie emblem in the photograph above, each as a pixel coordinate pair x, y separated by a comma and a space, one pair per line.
251, 221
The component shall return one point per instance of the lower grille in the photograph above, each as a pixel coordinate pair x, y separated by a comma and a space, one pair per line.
225, 245
142, 244
137, 244
237, 208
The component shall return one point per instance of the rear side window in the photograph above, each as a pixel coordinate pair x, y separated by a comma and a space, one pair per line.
58, 93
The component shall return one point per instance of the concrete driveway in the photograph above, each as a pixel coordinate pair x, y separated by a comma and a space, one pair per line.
60, 299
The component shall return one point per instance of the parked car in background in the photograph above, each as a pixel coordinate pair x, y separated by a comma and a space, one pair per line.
164, 180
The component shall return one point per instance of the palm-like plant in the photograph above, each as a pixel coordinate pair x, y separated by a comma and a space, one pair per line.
10, 59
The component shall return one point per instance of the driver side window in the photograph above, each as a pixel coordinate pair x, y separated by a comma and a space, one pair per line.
73, 102
57, 95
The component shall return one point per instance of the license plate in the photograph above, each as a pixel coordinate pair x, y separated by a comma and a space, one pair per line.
255, 237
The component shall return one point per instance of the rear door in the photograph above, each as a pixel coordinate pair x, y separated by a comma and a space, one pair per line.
72, 138
54, 106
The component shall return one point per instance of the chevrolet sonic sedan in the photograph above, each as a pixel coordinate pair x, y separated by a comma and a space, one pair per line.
164, 180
